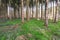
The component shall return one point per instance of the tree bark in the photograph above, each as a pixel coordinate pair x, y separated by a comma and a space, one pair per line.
42, 10
32, 13
53, 11
27, 11
46, 13
56, 13
22, 12
39, 9
36, 9
32, 10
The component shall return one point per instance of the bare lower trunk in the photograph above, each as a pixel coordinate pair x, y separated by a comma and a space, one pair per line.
36, 9
56, 14
27, 11
53, 11
22, 12
46, 14
41, 11
32, 12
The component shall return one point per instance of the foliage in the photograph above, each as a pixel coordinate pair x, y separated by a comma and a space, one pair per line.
34, 27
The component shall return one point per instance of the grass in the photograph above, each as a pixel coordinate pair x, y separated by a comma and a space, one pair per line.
10, 22
34, 27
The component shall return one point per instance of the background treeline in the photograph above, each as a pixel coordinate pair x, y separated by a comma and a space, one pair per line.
24, 9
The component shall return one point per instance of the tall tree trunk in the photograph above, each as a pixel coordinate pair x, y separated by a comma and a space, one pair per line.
36, 9
56, 14
6, 10
57, 10
39, 9
9, 14
27, 11
53, 11
32, 10
46, 13
42, 10
22, 12
32, 13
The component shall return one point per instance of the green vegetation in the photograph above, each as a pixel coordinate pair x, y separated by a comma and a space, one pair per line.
10, 22
34, 27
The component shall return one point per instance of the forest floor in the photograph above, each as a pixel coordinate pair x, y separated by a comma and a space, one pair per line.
30, 30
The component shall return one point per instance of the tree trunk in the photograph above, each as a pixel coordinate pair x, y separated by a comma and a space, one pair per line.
53, 11
22, 12
6, 12
39, 10
27, 11
30, 13
32, 10
56, 14
46, 13
36, 9
9, 13
42, 10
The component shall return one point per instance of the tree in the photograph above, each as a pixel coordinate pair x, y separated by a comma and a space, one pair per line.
22, 12
42, 9
39, 8
27, 11
53, 11
9, 4
36, 9
46, 13
32, 8
18, 5
56, 14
